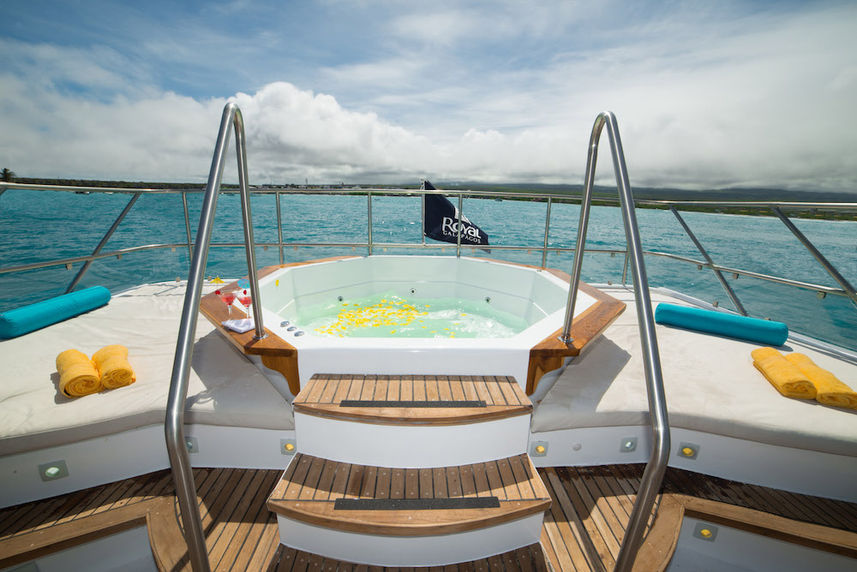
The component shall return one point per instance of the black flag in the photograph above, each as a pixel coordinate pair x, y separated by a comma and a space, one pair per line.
442, 221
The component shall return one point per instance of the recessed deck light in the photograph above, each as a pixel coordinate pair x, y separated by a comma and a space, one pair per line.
53, 470
705, 531
688, 450
288, 446
539, 449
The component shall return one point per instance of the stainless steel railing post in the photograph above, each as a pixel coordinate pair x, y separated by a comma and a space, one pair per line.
834, 273
280, 229
369, 239
547, 234
187, 226
654, 473
103, 241
719, 275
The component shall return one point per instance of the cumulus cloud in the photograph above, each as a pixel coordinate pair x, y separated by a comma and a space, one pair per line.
498, 93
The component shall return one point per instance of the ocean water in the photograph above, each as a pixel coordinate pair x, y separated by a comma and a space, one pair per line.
46, 225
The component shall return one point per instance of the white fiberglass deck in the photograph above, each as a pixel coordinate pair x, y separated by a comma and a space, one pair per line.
534, 298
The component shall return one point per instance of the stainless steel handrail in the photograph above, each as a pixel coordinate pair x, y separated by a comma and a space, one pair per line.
654, 473
174, 423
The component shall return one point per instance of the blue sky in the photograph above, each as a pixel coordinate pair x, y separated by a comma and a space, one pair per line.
708, 94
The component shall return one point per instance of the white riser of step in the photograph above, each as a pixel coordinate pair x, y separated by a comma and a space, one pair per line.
404, 446
438, 550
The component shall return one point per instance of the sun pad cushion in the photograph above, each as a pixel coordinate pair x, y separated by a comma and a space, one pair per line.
32, 317
721, 323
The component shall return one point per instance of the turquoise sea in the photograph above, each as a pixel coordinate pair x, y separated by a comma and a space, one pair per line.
45, 225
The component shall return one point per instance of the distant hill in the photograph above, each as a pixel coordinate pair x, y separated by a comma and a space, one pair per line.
601, 193
667, 194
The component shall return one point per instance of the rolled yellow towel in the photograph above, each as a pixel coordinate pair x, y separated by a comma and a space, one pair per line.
783, 375
78, 375
112, 364
829, 389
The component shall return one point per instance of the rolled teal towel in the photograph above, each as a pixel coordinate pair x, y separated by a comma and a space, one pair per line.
32, 317
721, 323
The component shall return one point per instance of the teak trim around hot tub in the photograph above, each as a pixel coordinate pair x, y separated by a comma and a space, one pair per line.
545, 356
548, 354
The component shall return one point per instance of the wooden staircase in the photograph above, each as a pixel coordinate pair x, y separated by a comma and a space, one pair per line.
411, 471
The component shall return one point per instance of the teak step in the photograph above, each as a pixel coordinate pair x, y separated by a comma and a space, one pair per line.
529, 558
388, 516
408, 502
413, 399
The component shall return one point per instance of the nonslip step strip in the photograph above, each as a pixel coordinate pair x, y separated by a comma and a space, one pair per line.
416, 504
410, 404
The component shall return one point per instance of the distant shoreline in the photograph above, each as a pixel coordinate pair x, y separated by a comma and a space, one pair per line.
602, 196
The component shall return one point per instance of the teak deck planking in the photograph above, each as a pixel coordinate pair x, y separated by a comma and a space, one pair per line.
584, 525
324, 394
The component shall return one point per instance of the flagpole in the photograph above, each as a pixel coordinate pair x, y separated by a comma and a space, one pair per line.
369, 217
460, 224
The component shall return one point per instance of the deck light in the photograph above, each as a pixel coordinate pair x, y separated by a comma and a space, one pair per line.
53, 470
288, 446
688, 450
539, 449
628, 445
705, 531
192, 444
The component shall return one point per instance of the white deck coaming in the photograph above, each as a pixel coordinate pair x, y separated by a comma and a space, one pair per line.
407, 551
575, 409
119, 433
716, 399
138, 451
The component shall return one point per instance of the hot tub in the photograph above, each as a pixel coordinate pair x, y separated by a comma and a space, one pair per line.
301, 304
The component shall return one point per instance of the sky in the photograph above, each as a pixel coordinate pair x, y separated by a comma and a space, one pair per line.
707, 94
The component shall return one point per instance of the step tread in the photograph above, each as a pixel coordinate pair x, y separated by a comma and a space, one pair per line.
526, 558
413, 399
310, 487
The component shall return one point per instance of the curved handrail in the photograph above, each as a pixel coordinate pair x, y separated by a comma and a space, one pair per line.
654, 473
174, 423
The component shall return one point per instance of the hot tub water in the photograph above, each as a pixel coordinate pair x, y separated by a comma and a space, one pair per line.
389, 315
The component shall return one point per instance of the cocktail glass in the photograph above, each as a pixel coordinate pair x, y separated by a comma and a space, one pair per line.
245, 300
228, 298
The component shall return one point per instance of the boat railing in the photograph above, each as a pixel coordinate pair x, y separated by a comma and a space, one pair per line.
653, 475
174, 423
371, 244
